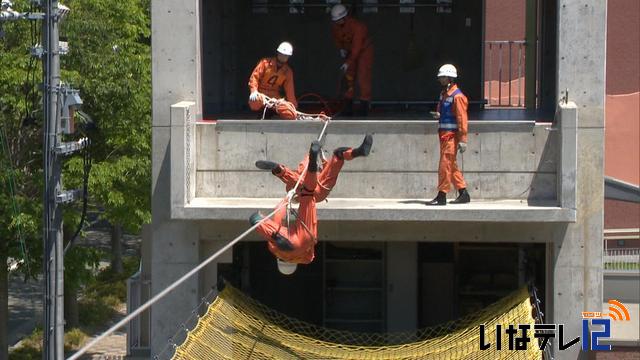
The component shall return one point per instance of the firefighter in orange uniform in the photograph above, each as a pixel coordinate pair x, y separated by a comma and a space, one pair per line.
356, 48
452, 130
296, 244
330, 168
269, 78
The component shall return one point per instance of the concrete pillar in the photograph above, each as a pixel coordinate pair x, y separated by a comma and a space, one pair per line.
577, 248
402, 286
175, 251
209, 275
176, 77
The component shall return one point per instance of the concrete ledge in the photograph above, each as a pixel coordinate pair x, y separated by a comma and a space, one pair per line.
342, 209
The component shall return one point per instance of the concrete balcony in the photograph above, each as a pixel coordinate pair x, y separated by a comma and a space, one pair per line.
513, 169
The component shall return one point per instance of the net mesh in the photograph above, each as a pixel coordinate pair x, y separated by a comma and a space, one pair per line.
238, 327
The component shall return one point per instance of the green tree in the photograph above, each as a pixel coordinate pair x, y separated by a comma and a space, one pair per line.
20, 162
110, 59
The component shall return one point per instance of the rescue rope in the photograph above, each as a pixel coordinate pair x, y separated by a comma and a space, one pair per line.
304, 171
325, 105
272, 103
195, 270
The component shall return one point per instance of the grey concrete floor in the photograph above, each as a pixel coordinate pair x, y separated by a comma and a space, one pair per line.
25, 307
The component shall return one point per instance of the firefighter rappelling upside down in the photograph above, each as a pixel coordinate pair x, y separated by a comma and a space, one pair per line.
295, 244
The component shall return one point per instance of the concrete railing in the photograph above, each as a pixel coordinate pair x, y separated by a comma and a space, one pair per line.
622, 259
504, 160
567, 164
183, 154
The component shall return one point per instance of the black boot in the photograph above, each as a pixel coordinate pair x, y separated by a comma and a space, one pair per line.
364, 108
365, 147
255, 218
314, 150
339, 152
363, 150
440, 199
348, 107
268, 165
463, 197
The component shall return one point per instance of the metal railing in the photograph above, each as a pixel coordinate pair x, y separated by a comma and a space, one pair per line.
504, 65
138, 330
621, 259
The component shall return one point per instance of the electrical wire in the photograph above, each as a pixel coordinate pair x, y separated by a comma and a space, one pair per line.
86, 160
14, 204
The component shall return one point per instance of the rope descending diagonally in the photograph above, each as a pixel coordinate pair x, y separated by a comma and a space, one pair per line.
238, 327
192, 272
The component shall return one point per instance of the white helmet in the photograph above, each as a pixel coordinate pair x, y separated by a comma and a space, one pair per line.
6, 4
286, 268
448, 70
338, 12
285, 48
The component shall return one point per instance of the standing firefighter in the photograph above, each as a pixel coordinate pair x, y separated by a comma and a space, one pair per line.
269, 78
452, 114
356, 49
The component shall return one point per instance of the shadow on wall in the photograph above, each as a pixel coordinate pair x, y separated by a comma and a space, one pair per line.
547, 165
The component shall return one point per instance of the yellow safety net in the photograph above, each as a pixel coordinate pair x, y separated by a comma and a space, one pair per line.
238, 327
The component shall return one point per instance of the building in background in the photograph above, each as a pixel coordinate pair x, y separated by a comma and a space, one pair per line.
385, 261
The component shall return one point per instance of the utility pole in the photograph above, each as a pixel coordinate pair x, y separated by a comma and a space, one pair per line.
59, 103
53, 246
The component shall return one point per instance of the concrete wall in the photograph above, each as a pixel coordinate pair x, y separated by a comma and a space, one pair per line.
622, 285
576, 264
575, 268
505, 160
175, 245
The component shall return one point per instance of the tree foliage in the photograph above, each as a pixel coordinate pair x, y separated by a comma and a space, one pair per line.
110, 55
20, 147
110, 62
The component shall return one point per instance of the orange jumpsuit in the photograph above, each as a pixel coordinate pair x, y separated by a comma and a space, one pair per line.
303, 240
326, 180
269, 79
448, 171
353, 36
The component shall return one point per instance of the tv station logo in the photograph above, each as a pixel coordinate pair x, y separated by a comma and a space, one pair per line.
596, 327
617, 312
